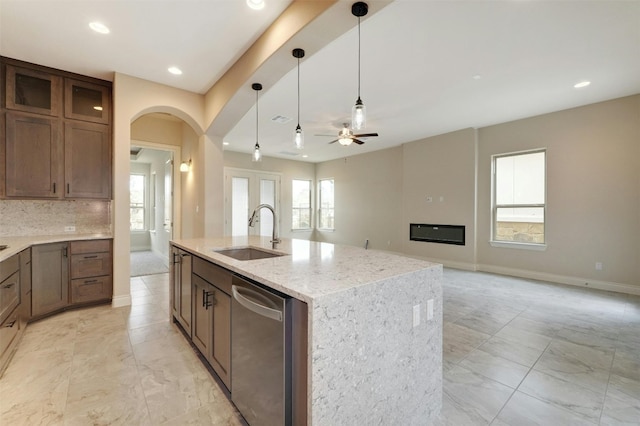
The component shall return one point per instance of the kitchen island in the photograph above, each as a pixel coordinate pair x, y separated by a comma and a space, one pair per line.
374, 350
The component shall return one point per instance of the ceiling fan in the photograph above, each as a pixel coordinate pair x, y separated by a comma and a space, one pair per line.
346, 136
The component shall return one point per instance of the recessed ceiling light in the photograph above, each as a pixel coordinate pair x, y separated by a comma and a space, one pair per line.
99, 28
305, 156
477, 77
225, 143
582, 84
255, 4
175, 70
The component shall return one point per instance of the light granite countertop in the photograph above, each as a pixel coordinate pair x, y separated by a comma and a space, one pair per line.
17, 244
308, 269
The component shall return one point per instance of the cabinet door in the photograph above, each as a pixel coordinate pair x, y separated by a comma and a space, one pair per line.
50, 278
33, 91
33, 155
87, 155
87, 101
202, 315
174, 276
25, 285
185, 290
221, 348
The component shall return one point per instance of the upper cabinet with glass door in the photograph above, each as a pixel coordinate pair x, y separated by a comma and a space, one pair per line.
33, 91
86, 101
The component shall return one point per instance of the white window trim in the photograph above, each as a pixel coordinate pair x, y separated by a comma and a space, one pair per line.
516, 244
519, 246
311, 208
318, 214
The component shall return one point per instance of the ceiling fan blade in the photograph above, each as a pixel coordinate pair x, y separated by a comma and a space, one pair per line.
366, 135
333, 141
331, 136
359, 142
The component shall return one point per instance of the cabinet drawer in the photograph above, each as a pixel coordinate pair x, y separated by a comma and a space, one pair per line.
8, 267
9, 295
90, 265
91, 289
215, 275
90, 246
8, 333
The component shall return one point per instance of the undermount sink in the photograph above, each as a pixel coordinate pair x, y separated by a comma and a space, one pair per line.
2, 247
248, 253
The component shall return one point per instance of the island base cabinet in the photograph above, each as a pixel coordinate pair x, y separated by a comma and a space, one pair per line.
211, 329
181, 288
50, 278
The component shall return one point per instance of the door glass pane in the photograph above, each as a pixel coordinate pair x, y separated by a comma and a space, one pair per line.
267, 196
239, 206
86, 101
33, 91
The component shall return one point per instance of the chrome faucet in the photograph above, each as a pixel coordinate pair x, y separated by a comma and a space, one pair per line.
254, 218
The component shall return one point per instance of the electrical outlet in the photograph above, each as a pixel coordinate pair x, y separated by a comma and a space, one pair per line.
598, 266
429, 309
416, 315
69, 229
429, 199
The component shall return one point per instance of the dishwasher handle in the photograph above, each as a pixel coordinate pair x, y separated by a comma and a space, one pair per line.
259, 309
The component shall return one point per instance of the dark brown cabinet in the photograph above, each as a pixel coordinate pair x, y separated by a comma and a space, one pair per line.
31, 90
181, 287
87, 154
55, 143
87, 101
212, 316
91, 266
50, 278
33, 156
25, 286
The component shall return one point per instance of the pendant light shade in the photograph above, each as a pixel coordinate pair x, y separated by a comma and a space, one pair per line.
257, 155
359, 111
298, 134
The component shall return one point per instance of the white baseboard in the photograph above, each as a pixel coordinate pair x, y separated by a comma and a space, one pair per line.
561, 279
120, 301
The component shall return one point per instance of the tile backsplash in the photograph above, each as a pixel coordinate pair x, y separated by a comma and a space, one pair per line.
50, 217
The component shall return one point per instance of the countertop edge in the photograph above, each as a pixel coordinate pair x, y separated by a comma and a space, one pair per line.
16, 244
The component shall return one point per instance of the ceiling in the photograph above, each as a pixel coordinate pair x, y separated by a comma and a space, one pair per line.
428, 67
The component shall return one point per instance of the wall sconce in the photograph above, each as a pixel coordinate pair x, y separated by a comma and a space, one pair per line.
185, 167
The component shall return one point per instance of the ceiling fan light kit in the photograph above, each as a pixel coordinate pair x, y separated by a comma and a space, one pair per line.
359, 110
257, 155
298, 135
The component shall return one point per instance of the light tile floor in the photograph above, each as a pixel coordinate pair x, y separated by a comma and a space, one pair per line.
516, 352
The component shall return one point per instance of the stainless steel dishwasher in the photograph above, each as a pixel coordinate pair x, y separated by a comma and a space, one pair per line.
261, 354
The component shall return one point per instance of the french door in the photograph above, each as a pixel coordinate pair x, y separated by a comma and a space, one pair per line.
244, 191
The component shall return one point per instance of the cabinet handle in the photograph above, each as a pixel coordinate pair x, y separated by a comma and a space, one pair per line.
65, 252
7, 285
91, 257
54, 187
87, 282
205, 299
67, 188
9, 325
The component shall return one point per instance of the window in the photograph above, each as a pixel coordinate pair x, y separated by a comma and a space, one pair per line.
519, 196
137, 202
301, 204
326, 210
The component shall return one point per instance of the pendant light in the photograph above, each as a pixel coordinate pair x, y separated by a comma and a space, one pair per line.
298, 135
257, 155
359, 110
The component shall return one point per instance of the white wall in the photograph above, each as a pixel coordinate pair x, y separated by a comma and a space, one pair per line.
368, 199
